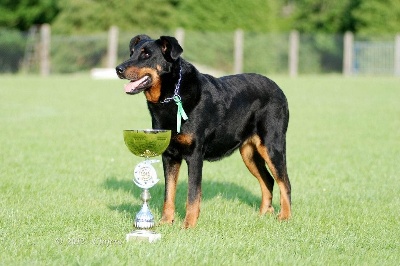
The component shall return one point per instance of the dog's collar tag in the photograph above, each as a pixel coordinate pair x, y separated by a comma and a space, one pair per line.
181, 114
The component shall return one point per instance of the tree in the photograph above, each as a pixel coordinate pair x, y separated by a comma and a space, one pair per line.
359, 16
86, 16
208, 15
23, 14
377, 17
228, 15
324, 16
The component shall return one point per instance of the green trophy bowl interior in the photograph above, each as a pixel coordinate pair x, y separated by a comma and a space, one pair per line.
147, 142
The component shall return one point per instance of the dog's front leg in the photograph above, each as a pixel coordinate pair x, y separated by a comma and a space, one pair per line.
195, 168
171, 172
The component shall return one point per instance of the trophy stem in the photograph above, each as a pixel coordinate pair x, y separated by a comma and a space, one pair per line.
144, 220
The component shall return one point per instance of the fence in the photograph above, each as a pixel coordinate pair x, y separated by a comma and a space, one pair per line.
38, 51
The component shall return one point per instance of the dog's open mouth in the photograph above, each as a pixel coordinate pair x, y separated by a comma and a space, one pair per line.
136, 86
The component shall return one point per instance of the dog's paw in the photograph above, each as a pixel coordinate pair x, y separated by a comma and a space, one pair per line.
189, 223
282, 216
168, 216
267, 210
166, 220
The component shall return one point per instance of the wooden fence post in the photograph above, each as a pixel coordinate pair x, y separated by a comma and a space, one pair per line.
397, 56
238, 52
112, 48
45, 35
294, 40
348, 53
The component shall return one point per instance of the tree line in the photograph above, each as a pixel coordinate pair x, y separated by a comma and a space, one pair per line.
87, 16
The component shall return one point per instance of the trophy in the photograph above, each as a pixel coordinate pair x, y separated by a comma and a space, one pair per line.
146, 143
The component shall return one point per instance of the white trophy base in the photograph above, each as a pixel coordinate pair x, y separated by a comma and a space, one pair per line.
143, 235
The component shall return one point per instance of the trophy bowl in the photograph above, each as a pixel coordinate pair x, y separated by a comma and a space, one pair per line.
147, 142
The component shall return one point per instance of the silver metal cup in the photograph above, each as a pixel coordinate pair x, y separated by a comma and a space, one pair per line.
146, 143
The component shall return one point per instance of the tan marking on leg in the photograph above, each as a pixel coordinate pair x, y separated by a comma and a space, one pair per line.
192, 212
285, 212
247, 151
168, 214
169, 205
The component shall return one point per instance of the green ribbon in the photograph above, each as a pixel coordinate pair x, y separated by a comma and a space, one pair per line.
180, 114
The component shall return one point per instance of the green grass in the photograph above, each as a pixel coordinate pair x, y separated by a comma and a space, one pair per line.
67, 196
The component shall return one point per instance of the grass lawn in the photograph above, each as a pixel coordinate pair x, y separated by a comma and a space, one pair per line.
67, 195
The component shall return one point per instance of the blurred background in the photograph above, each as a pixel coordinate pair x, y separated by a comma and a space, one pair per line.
353, 37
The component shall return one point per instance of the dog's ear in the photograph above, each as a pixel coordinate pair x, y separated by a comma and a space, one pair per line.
138, 38
170, 48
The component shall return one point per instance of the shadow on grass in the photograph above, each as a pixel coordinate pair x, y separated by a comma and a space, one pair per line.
210, 189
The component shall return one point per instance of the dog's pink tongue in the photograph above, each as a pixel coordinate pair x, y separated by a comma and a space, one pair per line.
131, 86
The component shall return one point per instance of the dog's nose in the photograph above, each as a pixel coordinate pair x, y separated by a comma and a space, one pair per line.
120, 70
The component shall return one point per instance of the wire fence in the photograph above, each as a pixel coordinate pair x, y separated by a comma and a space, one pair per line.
373, 57
219, 52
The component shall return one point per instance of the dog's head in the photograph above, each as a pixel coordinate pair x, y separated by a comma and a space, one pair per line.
149, 59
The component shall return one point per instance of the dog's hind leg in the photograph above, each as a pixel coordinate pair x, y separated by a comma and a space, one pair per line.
171, 172
274, 154
277, 165
256, 165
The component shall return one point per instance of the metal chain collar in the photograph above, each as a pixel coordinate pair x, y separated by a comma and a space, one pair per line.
176, 91
181, 114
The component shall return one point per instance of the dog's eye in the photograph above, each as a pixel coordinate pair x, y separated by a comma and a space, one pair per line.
146, 54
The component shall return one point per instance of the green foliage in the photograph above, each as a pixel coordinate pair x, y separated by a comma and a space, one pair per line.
80, 15
360, 16
224, 15
377, 17
88, 16
12, 45
23, 14
227, 15
67, 196
322, 16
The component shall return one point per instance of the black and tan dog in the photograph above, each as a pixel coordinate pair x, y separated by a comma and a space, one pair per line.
210, 118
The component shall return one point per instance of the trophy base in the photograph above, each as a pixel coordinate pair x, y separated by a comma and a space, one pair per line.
143, 235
